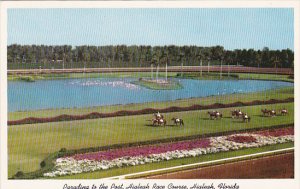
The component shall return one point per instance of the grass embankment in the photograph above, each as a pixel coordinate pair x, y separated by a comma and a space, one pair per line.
237, 76
85, 75
205, 76
29, 144
172, 163
283, 93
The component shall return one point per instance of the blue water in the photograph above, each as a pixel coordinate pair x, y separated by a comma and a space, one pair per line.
68, 93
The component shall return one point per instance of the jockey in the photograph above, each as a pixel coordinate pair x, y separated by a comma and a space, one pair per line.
158, 116
246, 116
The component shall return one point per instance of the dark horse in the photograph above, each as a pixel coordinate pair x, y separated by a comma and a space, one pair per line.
265, 112
214, 115
268, 112
177, 120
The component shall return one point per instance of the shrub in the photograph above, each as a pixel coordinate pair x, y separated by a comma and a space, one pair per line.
27, 78
43, 164
62, 152
19, 174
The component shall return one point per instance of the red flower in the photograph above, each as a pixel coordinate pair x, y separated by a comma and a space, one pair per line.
241, 139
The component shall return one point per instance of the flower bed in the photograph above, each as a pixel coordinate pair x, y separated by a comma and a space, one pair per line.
277, 132
132, 156
143, 150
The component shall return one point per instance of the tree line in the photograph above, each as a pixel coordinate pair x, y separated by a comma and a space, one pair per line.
66, 56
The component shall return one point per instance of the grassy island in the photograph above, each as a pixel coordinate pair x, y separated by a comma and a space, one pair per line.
158, 84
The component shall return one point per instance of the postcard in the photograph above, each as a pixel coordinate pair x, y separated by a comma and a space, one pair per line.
149, 94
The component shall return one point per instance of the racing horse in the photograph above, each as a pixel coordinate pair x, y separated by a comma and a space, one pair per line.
215, 115
265, 112
236, 114
159, 122
284, 111
272, 113
178, 120
246, 118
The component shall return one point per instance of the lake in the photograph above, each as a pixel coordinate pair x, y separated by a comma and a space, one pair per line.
68, 93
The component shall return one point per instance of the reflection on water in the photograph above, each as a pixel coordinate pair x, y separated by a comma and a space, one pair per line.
69, 93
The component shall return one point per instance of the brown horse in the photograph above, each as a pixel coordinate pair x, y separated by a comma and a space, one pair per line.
236, 114
271, 113
159, 122
265, 112
178, 120
215, 115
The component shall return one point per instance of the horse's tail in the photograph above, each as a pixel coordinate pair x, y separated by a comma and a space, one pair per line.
182, 122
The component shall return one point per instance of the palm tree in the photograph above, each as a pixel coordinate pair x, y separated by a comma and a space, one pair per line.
207, 54
258, 58
64, 58
181, 57
229, 59
222, 58
157, 55
165, 58
199, 56
275, 62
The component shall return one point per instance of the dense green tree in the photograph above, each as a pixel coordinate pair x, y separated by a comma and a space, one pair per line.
66, 56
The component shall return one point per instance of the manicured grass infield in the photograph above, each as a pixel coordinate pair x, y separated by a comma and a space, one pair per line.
283, 93
29, 144
240, 76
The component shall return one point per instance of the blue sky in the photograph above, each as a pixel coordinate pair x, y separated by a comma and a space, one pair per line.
231, 28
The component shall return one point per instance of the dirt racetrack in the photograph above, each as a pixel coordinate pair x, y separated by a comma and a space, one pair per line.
277, 166
238, 69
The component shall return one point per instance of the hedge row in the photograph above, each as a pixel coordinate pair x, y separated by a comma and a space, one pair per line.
96, 115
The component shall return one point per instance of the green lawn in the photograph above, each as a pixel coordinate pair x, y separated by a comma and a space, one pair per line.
29, 144
273, 77
243, 76
282, 93
172, 163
